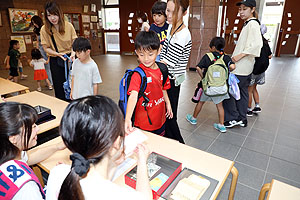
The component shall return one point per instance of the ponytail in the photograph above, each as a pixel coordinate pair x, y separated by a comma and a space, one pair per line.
71, 189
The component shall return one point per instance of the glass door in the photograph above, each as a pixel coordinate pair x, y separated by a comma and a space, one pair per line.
111, 25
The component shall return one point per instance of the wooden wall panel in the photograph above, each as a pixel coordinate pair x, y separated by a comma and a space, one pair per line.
132, 6
290, 6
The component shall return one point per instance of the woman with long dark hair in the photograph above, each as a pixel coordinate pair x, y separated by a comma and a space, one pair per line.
93, 130
57, 37
175, 54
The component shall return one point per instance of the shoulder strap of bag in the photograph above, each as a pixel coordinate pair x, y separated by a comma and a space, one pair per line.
53, 40
252, 20
142, 90
164, 70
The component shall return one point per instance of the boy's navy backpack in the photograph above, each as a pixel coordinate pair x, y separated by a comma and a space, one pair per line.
261, 62
125, 82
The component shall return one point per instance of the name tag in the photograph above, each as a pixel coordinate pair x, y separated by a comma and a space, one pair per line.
149, 79
216, 74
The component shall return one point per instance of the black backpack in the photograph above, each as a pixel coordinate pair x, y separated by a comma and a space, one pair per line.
261, 62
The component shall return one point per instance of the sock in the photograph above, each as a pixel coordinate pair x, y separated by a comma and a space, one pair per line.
193, 118
257, 105
249, 109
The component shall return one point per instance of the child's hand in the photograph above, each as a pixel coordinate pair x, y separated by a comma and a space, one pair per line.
7, 67
169, 113
142, 152
128, 126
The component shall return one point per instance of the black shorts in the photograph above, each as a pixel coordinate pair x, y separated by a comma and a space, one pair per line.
13, 71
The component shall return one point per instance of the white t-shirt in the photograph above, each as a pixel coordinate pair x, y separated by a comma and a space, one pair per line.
85, 76
93, 188
249, 42
38, 64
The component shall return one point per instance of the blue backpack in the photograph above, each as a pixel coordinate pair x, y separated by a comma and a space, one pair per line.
125, 82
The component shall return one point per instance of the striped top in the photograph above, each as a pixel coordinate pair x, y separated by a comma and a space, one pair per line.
176, 52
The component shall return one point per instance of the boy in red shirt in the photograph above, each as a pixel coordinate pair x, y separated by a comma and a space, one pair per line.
147, 47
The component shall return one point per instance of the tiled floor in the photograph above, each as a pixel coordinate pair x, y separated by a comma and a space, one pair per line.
268, 148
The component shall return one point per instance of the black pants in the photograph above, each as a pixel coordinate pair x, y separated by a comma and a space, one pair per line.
58, 77
237, 109
172, 128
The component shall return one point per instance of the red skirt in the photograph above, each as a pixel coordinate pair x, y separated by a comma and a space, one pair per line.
40, 74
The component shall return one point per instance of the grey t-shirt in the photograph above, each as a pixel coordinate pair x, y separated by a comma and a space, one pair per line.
85, 76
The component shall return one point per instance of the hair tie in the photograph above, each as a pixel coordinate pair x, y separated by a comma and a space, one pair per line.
79, 164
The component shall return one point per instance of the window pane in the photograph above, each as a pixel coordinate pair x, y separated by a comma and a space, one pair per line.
111, 2
112, 20
112, 42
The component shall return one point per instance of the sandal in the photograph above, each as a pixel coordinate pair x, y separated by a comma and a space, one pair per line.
39, 89
50, 87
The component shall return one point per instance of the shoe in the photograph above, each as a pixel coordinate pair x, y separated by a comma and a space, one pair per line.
232, 123
23, 76
243, 123
50, 87
39, 89
190, 119
249, 113
256, 110
220, 127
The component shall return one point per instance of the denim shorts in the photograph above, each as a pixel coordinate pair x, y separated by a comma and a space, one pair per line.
258, 79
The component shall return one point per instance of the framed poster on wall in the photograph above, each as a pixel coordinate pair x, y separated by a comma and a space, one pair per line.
21, 40
20, 20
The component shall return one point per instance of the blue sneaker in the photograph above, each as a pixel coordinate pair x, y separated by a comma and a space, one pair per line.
191, 119
220, 127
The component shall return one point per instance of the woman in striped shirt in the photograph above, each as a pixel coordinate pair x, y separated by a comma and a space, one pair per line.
175, 54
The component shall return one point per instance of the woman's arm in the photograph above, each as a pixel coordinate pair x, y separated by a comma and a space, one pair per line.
38, 155
239, 57
52, 52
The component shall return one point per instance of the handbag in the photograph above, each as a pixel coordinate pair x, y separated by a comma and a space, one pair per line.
66, 84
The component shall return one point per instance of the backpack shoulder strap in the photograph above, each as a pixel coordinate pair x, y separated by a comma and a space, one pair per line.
164, 70
211, 56
143, 76
252, 20
143, 87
